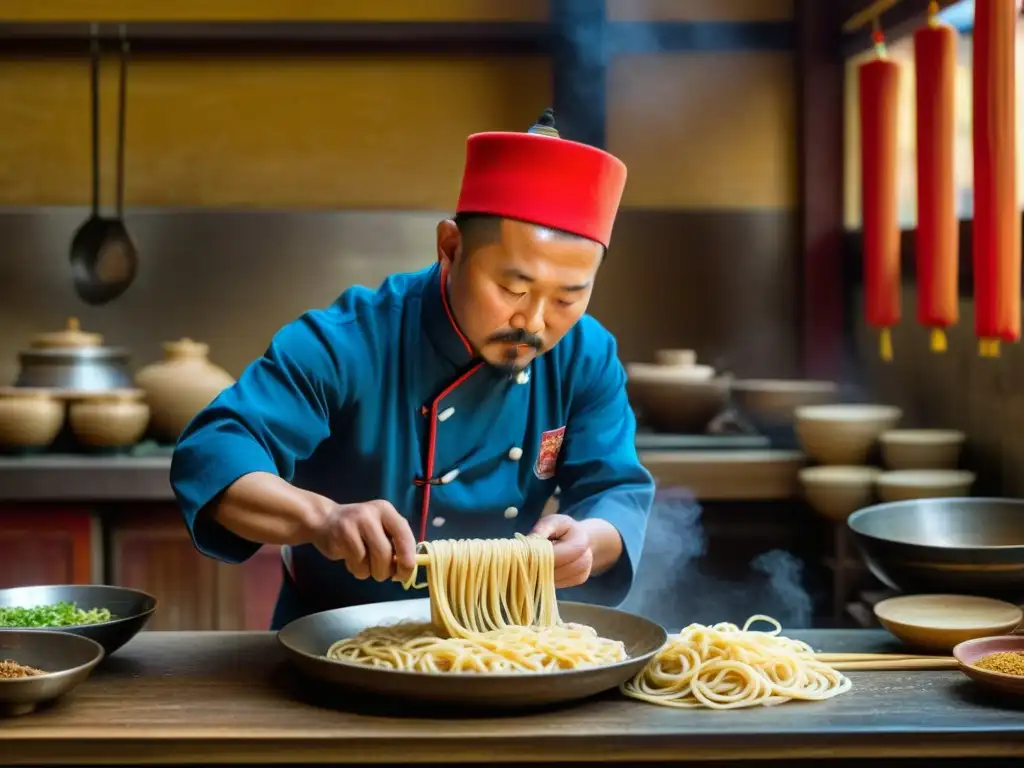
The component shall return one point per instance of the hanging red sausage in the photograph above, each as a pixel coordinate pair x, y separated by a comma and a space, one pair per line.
996, 241
879, 110
936, 243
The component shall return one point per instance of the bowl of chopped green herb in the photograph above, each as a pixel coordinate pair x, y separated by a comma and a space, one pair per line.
109, 615
39, 666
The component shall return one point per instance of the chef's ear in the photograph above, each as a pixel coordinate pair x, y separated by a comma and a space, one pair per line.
449, 243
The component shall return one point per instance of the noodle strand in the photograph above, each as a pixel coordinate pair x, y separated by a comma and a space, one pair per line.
493, 608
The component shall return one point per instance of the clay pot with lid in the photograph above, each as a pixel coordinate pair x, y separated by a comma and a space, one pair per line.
180, 386
30, 419
677, 395
110, 420
73, 359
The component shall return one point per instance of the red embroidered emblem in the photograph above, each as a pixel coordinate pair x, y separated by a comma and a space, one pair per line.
550, 447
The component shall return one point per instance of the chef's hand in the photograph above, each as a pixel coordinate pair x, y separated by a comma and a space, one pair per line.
371, 537
574, 556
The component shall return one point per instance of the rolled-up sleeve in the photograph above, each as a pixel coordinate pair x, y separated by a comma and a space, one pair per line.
277, 414
600, 475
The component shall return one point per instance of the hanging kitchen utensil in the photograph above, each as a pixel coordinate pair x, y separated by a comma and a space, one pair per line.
103, 256
88, 235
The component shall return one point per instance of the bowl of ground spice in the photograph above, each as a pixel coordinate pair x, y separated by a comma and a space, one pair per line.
995, 662
38, 666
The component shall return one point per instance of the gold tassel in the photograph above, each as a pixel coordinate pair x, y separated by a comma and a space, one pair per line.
885, 345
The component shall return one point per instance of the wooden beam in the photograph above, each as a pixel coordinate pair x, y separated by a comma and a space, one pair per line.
289, 37
576, 25
820, 75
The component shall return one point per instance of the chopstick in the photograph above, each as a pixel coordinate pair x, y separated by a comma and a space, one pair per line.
896, 665
879, 662
421, 560
830, 657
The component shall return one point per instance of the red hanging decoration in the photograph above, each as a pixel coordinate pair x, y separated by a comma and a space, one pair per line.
996, 242
879, 109
936, 243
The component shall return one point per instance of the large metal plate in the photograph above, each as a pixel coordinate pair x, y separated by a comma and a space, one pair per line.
308, 638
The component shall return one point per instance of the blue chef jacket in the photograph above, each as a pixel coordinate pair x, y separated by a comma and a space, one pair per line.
379, 397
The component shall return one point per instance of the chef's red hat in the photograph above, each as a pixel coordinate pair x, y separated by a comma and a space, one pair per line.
543, 179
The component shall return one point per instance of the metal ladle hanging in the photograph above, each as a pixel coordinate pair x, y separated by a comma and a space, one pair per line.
103, 256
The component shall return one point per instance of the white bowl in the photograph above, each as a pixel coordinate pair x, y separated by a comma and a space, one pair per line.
843, 434
922, 448
906, 484
837, 492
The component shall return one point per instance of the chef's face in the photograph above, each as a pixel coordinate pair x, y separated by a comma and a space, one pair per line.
515, 288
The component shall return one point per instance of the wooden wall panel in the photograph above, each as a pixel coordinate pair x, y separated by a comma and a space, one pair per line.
315, 132
700, 10
273, 10
705, 130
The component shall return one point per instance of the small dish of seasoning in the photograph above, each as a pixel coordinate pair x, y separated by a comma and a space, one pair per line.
38, 666
995, 662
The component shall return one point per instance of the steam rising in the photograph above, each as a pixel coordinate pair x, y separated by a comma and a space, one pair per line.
671, 589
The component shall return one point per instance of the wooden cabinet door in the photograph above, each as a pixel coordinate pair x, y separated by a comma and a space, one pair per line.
151, 550
42, 544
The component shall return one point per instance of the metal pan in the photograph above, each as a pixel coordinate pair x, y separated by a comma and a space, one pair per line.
968, 546
307, 639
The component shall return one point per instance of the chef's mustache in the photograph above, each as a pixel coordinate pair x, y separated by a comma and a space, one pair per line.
517, 337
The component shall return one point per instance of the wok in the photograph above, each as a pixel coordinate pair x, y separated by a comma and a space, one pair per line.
307, 639
969, 546
130, 608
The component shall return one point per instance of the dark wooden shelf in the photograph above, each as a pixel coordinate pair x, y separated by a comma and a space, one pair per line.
610, 37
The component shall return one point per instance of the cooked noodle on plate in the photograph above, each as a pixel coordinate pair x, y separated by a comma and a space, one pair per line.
728, 667
493, 609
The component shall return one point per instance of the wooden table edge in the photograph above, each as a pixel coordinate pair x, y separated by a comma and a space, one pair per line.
231, 749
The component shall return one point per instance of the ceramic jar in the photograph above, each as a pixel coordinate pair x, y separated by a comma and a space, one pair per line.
30, 419
111, 420
180, 386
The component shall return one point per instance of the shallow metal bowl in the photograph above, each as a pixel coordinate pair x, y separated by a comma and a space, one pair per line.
130, 608
967, 546
308, 638
66, 659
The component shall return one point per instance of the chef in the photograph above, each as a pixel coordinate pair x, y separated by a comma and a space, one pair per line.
449, 403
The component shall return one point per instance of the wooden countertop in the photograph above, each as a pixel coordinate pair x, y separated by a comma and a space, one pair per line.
229, 697
711, 475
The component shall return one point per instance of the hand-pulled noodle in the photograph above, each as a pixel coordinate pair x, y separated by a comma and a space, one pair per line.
493, 609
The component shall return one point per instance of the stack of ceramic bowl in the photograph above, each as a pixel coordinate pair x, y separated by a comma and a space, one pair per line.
922, 464
841, 439
675, 394
770, 404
